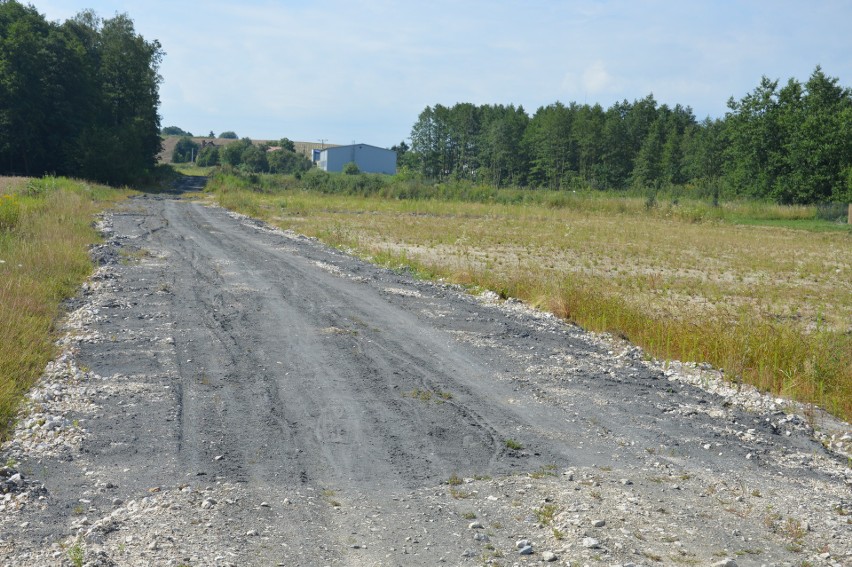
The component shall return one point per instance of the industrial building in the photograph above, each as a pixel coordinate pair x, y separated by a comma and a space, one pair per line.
369, 159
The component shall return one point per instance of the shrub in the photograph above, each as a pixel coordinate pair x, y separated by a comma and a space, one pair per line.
10, 212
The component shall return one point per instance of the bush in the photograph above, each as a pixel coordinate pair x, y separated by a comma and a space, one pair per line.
229, 135
351, 168
208, 156
10, 211
253, 159
232, 154
287, 161
834, 212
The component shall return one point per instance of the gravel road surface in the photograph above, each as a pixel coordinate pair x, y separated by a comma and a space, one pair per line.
232, 394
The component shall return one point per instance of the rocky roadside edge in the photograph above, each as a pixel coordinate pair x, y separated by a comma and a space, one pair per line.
587, 515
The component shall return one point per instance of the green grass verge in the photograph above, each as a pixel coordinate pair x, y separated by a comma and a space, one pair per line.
44, 253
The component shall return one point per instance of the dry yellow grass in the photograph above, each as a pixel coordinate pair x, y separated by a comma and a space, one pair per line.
772, 306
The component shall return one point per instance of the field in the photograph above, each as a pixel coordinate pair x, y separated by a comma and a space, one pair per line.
739, 286
45, 230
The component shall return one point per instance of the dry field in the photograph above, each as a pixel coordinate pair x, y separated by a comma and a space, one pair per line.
770, 305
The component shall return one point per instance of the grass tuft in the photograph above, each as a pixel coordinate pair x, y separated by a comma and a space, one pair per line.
513, 445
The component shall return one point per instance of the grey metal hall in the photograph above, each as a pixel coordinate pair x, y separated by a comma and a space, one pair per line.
369, 159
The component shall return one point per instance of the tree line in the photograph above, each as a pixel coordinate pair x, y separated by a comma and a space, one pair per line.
77, 98
244, 155
791, 144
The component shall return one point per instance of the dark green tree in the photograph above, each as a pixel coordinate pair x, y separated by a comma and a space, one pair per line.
185, 150
703, 156
588, 133
616, 161
755, 157
253, 159
229, 135
647, 168
232, 154
28, 77
126, 133
175, 131
550, 145
426, 144
286, 143
77, 98
287, 161
502, 159
208, 156
817, 131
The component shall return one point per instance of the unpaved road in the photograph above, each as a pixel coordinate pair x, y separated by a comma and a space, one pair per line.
243, 396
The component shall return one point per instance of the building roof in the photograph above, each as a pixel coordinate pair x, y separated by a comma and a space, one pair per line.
354, 145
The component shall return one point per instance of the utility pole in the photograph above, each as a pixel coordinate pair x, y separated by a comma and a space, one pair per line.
322, 142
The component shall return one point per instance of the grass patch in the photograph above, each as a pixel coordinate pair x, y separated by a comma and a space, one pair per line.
329, 496
459, 494
513, 445
762, 291
43, 260
544, 471
454, 480
428, 395
545, 514
192, 169
76, 555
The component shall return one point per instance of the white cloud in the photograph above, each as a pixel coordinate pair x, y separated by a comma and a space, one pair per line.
596, 79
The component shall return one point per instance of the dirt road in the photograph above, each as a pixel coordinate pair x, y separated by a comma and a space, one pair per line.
245, 396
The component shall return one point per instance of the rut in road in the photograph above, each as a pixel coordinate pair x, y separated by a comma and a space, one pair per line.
290, 371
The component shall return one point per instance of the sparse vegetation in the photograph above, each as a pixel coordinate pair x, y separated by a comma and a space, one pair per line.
454, 480
513, 445
544, 471
545, 514
329, 495
428, 395
76, 555
459, 494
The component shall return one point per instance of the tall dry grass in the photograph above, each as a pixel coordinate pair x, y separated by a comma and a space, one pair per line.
43, 260
770, 305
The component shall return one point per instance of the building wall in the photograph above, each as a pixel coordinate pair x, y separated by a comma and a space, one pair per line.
369, 159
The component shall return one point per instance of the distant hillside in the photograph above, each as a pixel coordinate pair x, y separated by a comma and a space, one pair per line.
169, 143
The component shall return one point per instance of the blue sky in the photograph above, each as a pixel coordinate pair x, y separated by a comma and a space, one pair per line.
349, 71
